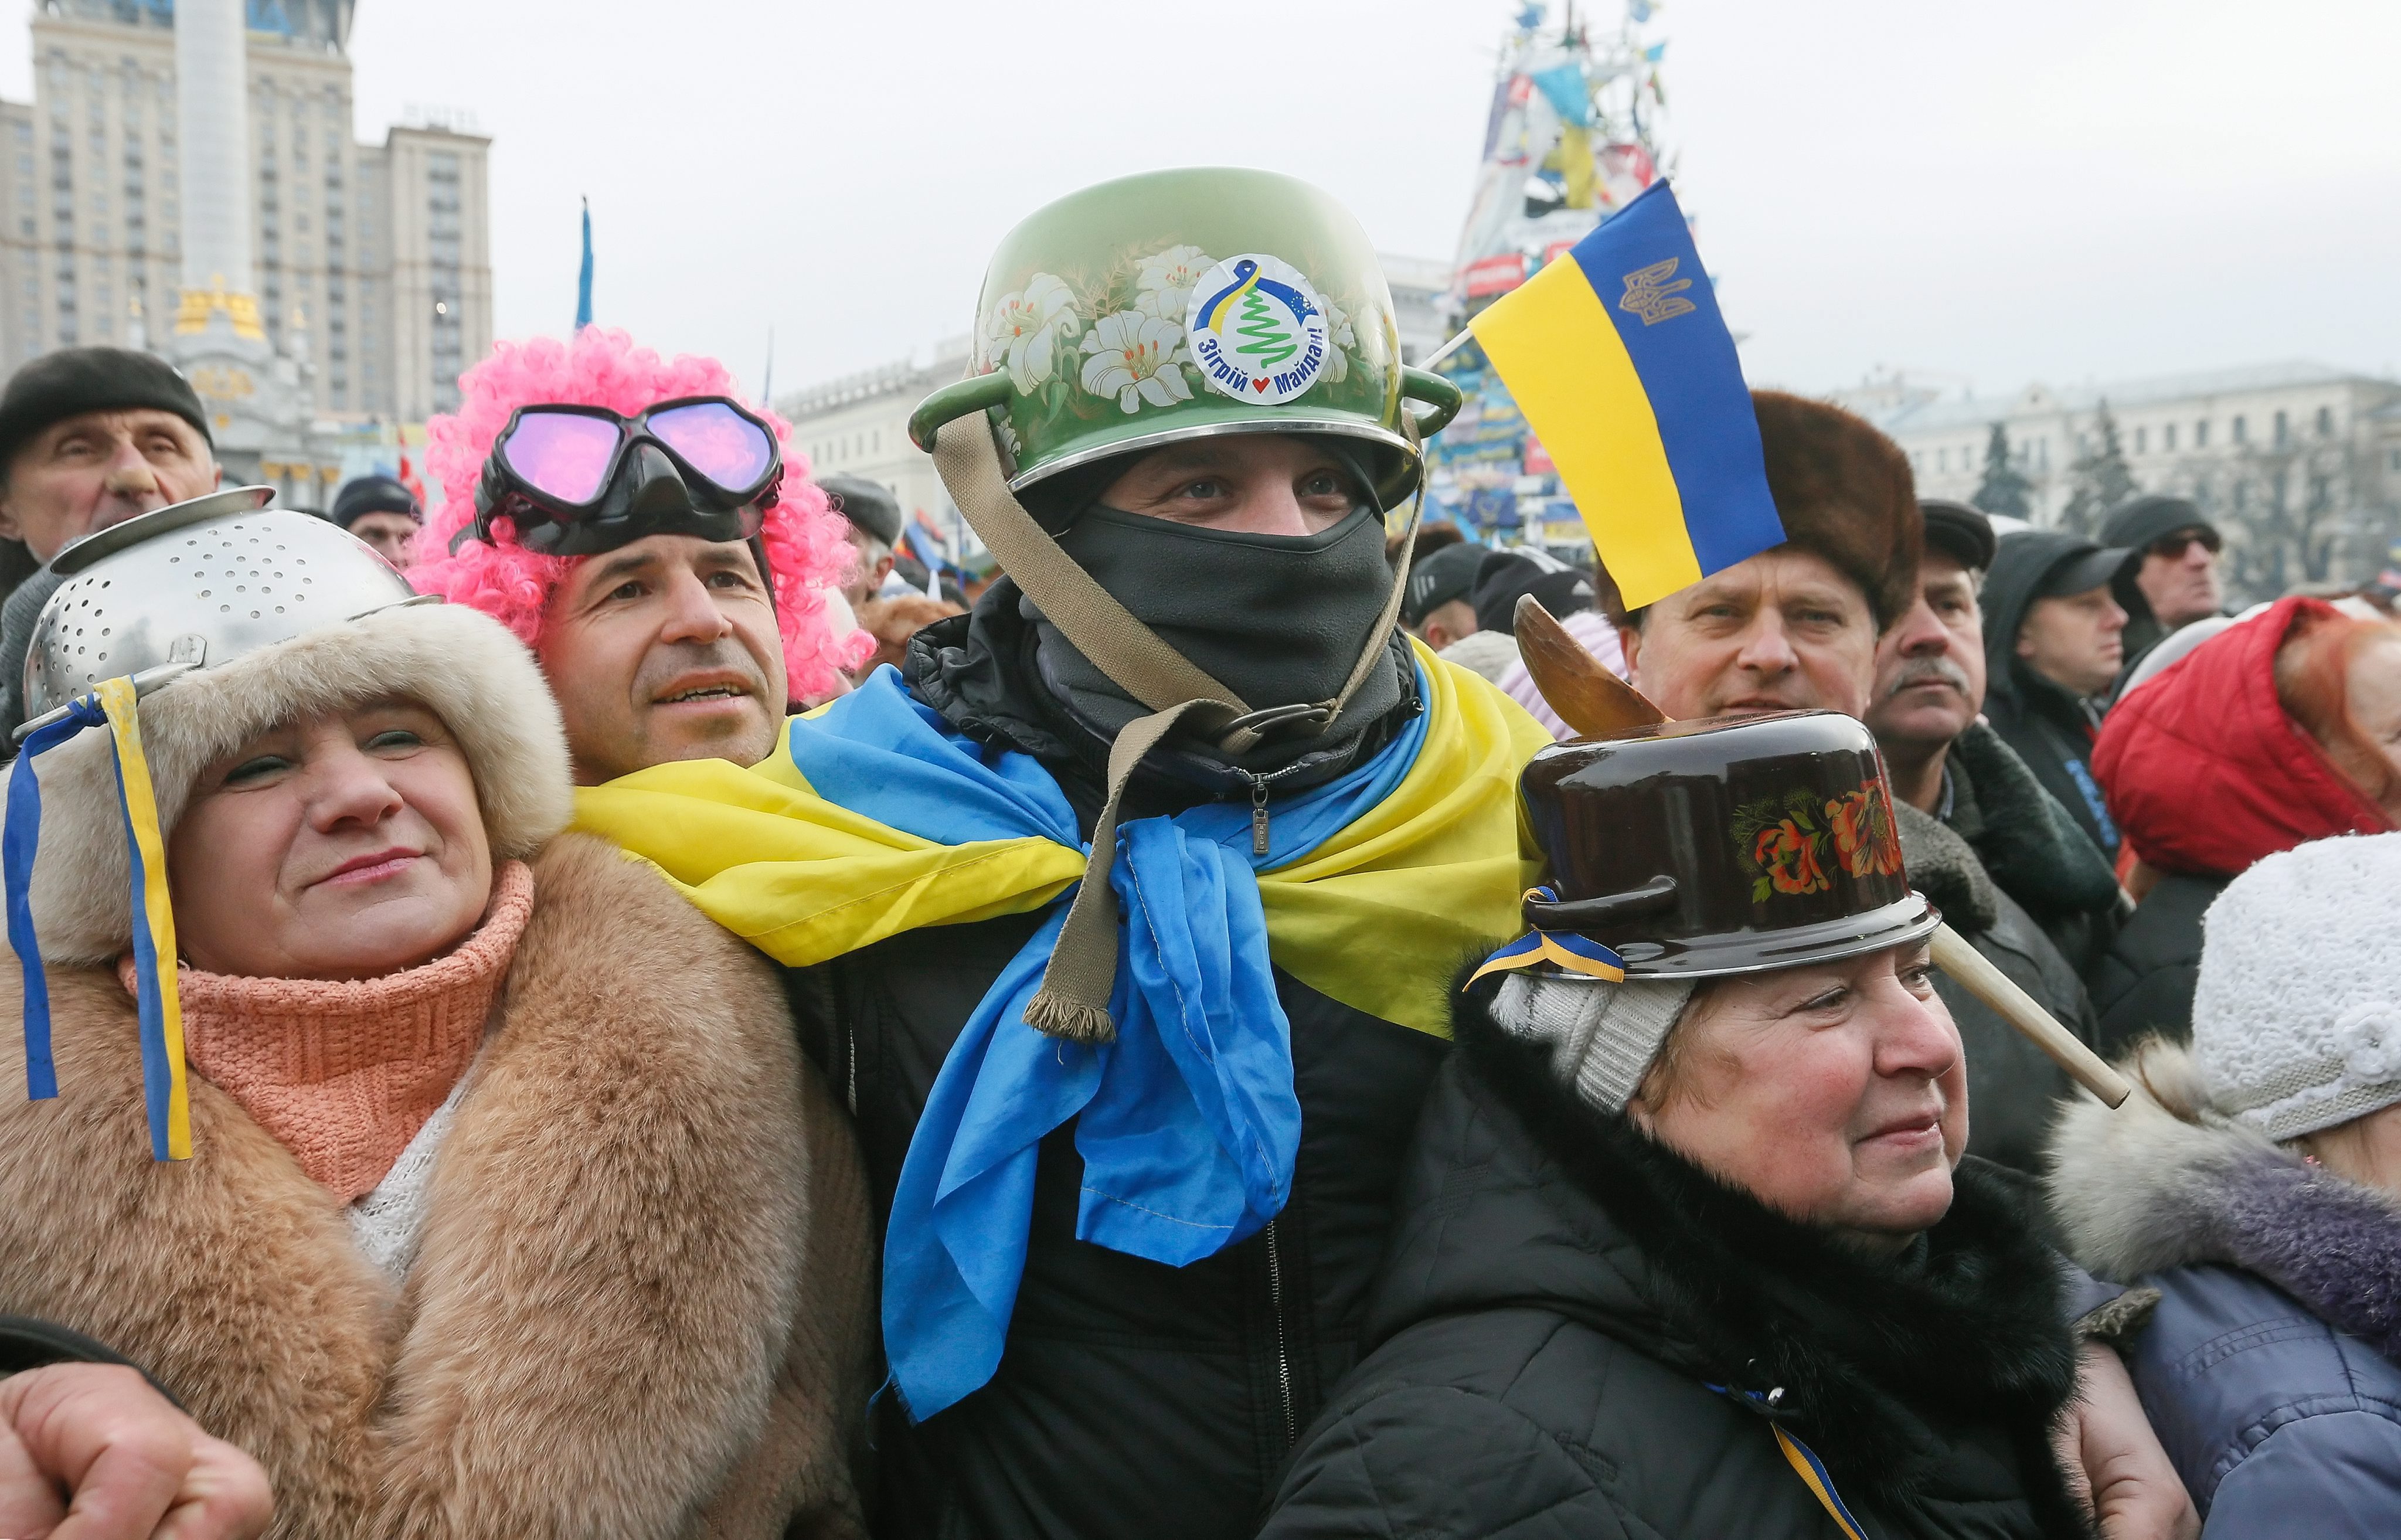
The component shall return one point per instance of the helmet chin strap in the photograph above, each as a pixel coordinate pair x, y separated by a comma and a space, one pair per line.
1074, 999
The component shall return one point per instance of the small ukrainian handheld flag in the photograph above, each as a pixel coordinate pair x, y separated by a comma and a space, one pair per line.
1625, 369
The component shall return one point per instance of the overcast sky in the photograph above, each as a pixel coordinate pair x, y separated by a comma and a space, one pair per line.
2043, 189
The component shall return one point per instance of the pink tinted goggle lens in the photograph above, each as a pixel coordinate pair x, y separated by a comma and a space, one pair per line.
717, 441
563, 455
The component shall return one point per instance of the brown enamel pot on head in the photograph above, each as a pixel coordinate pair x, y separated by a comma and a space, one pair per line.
1726, 844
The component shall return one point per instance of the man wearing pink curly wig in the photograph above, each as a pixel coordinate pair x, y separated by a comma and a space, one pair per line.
638, 527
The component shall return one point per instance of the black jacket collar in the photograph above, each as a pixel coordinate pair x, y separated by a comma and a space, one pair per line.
1884, 1368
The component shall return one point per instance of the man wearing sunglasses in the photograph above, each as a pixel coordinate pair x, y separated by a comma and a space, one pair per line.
2174, 574
633, 522
1125, 912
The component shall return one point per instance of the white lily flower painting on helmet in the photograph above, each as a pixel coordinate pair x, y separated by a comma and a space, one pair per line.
1025, 326
1136, 358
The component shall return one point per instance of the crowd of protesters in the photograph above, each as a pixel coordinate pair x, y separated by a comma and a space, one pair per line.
1036, 1077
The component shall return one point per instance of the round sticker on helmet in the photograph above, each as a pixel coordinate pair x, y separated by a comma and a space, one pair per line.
1256, 330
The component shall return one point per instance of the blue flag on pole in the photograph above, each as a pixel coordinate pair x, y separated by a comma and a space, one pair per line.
584, 280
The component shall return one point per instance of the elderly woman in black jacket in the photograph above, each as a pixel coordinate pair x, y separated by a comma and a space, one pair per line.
1687, 1245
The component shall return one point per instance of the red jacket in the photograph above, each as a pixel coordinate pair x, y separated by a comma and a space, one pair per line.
2204, 772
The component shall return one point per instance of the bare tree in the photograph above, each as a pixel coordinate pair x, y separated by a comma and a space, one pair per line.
2291, 512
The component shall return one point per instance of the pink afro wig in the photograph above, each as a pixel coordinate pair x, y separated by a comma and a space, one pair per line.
806, 553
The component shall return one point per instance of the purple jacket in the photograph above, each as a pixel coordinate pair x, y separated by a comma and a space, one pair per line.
2268, 1366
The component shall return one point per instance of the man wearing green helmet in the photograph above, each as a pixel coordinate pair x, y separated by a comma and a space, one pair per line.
1125, 912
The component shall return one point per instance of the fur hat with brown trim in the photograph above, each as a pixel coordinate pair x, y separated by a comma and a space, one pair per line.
464, 667
1845, 493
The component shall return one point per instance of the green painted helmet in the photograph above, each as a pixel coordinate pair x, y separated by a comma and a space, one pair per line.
1185, 303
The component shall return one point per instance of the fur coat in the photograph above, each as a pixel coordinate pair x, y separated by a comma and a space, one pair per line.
642, 1302
1578, 1332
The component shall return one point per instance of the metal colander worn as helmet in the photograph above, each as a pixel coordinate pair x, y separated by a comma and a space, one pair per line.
195, 585
173, 640
1178, 304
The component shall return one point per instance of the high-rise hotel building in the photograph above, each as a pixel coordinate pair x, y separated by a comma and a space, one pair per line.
371, 263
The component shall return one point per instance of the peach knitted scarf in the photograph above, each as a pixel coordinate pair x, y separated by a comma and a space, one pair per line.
344, 1074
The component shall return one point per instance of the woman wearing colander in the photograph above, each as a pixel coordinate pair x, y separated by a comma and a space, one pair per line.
495, 1197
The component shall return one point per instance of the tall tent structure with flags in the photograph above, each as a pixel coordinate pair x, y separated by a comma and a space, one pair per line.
1574, 136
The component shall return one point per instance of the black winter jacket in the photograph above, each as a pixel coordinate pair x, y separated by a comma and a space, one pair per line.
1132, 1398
2013, 1085
1563, 1294
2050, 726
2145, 983
2052, 731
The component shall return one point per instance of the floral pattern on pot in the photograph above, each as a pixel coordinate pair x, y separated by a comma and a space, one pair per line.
1076, 371
1023, 329
1780, 842
1793, 843
1135, 353
1789, 854
1338, 331
1136, 358
1865, 840
1164, 286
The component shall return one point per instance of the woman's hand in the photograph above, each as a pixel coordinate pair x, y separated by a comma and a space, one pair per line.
2113, 1460
91, 1452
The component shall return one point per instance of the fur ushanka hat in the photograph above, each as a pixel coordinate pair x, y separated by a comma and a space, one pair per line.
1845, 493
463, 666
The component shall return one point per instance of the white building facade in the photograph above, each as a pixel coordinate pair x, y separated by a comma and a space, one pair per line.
2298, 463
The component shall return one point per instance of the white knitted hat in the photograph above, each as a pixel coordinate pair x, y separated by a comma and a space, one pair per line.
1603, 1035
2297, 1017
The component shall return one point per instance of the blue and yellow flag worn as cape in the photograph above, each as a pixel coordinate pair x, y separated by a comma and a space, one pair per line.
878, 818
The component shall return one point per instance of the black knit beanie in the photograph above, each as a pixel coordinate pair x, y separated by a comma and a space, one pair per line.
72, 382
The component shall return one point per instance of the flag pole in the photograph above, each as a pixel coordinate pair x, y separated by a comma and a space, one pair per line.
1457, 342
583, 278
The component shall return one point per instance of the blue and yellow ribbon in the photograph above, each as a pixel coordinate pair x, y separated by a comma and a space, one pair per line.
1812, 1471
1806, 1465
1560, 948
165, 1094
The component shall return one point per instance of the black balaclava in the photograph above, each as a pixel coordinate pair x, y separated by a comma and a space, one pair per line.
1278, 619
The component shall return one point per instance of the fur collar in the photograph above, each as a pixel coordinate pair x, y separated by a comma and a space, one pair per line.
1945, 868
1884, 1367
641, 1306
2140, 1190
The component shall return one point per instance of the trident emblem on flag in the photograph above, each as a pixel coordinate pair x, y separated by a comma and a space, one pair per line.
1650, 295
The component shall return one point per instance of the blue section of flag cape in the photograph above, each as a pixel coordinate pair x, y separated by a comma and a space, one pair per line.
1187, 1123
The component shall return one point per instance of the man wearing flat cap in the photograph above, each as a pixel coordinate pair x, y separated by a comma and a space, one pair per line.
874, 527
381, 510
89, 437
2054, 641
1440, 608
2173, 572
